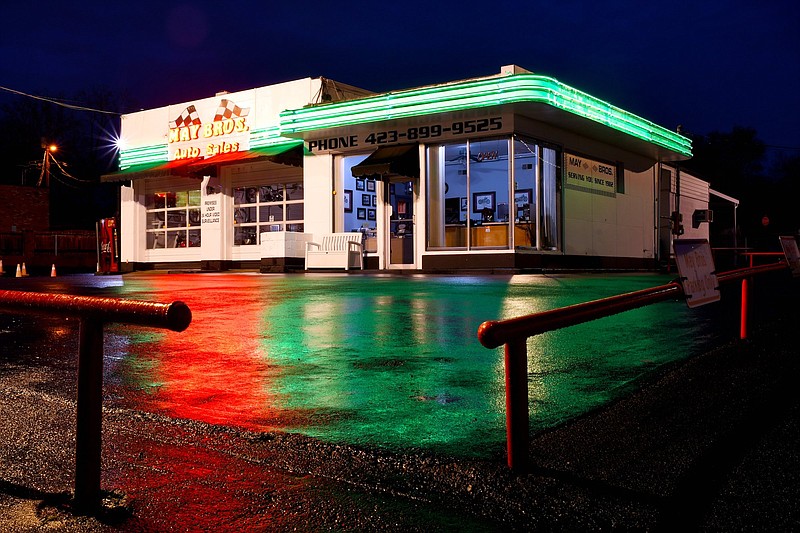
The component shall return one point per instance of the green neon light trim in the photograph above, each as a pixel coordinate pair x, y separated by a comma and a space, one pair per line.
269, 136
143, 155
493, 91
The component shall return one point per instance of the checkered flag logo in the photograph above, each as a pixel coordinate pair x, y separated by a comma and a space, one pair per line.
227, 109
189, 117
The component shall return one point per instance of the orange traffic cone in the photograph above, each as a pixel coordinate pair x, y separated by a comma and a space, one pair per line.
1, 268
53, 271
19, 271
24, 271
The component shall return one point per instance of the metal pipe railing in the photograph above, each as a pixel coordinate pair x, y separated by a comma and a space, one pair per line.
94, 313
753, 255
514, 333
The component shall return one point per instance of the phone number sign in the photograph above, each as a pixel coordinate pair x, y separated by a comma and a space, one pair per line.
411, 134
697, 272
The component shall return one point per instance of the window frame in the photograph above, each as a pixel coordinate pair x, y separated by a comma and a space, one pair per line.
439, 207
180, 224
252, 198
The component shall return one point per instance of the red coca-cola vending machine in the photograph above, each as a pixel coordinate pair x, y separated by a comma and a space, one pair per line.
107, 246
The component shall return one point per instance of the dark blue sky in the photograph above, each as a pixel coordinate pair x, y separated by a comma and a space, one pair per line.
705, 65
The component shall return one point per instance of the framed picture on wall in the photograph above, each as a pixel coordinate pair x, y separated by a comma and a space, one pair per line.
371, 214
359, 184
366, 200
483, 200
523, 197
361, 213
374, 201
370, 185
463, 204
348, 201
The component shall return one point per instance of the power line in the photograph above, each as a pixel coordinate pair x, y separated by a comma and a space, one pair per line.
46, 172
777, 147
58, 102
67, 174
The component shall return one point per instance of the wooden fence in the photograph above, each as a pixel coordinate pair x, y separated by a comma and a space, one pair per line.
74, 250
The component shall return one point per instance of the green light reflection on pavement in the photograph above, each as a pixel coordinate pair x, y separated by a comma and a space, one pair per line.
395, 361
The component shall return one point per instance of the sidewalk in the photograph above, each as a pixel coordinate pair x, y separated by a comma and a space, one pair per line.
713, 444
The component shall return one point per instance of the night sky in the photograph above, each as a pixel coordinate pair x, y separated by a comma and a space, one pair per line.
708, 66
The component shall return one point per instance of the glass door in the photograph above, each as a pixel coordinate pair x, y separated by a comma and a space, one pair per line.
400, 226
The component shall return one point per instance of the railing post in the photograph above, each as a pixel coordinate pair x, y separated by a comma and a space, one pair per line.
88, 434
89, 412
516, 362
745, 298
514, 333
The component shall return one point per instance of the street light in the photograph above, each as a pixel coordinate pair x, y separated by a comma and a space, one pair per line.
48, 149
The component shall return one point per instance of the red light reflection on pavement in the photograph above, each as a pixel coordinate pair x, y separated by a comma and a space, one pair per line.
215, 371
177, 479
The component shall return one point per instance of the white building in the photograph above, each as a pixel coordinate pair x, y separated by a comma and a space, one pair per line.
513, 171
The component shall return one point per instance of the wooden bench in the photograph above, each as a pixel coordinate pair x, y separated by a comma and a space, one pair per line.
337, 250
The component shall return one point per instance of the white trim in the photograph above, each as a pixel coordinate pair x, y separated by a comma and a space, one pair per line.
718, 194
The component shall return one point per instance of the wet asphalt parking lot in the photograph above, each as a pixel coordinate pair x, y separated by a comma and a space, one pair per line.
703, 443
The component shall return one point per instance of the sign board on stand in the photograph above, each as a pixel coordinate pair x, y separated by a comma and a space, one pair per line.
789, 245
697, 273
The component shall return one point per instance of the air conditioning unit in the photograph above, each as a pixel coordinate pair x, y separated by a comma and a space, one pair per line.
702, 215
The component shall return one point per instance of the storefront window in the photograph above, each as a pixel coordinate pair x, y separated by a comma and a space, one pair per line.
266, 208
436, 198
173, 219
526, 164
489, 178
550, 200
477, 199
468, 191
448, 194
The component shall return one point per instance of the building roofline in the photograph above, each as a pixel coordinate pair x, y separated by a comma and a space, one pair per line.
517, 87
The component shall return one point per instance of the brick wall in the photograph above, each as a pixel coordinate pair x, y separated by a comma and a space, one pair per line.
24, 208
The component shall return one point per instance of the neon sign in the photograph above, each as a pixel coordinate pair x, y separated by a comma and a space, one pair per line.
229, 121
207, 131
211, 149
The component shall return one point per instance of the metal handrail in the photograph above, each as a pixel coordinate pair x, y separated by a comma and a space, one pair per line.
494, 333
514, 333
174, 316
94, 313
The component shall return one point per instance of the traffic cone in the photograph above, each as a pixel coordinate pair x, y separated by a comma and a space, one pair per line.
1, 268
24, 271
53, 271
19, 271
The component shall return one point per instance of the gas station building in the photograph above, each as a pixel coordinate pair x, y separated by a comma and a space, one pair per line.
509, 172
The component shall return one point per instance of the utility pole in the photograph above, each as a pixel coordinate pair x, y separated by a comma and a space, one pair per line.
45, 173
